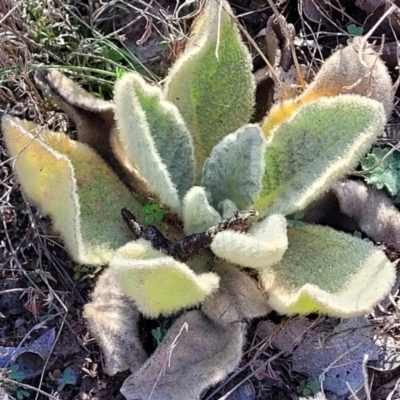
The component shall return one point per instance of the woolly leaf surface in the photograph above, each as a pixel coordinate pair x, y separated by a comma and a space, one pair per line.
349, 72
211, 83
235, 167
227, 208
238, 298
204, 353
159, 284
95, 124
316, 147
168, 130
329, 272
345, 72
74, 186
135, 134
198, 214
113, 320
262, 246
372, 210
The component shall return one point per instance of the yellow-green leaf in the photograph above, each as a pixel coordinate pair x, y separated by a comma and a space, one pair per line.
74, 186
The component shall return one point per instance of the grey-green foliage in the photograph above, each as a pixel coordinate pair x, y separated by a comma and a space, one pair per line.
197, 213
262, 246
383, 170
211, 83
327, 271
227, 208
235, 167
170, 134
156, 139
315, 148
305, 270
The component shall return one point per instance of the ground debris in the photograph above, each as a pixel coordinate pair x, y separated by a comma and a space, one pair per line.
330, 352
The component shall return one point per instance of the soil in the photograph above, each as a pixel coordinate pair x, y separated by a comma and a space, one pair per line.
42, 290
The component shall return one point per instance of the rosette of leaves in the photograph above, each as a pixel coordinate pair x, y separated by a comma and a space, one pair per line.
190, 147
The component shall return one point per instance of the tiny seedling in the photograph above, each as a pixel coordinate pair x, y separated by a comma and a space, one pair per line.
355, 30
309, 389
295, 220
15, 373
13, 389
67, 377
119, 72
82, 272
158, 334
153, 211
19, 393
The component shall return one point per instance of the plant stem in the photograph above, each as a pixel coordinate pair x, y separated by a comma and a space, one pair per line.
185, 248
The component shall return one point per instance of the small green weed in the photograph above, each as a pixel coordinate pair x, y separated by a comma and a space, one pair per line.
13, 389
355, 30
21, 394
295, 220
82, 272
158, 334
66, 378
15, 373
382, 169
153, 211
309, 389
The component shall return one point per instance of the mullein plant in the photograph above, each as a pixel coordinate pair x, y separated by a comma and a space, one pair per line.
189, 145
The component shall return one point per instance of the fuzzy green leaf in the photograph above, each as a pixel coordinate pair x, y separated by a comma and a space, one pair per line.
227, 208
198, 214
235, 167
355, 69
158, 284
74, 186
329, 272
386, 173
211, 83
262, 246
316, 147
155, 137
